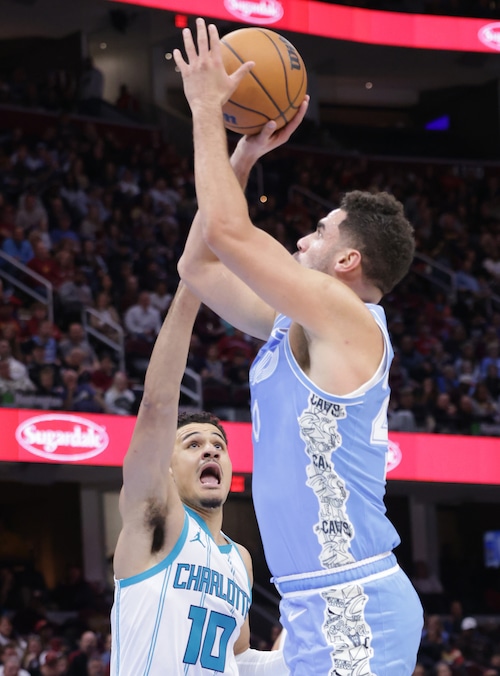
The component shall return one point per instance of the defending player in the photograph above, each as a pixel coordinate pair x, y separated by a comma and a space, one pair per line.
182, 588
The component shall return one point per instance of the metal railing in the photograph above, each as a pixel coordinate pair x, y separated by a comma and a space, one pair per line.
191, 387
16, 282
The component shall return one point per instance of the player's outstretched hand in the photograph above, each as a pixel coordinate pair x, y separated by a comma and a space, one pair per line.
269, 138
206, 83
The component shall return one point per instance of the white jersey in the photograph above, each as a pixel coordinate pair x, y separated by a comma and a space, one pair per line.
183, 616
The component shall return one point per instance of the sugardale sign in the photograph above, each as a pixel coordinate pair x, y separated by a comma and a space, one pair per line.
257, 11
62, 438
490, 35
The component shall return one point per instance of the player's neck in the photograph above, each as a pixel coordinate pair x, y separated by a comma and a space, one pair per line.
213, 518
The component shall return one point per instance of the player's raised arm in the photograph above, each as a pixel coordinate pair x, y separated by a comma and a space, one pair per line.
148, 495
200, 268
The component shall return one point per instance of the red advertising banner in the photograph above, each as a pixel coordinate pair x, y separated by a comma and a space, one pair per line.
102, 440
376, 27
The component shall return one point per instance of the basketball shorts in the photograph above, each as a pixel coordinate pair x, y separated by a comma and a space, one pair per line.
364, 619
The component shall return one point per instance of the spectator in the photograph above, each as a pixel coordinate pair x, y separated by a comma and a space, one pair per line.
64, 233
49, 664
164, 196
95, 667
443, 415
119, 399
76, 360
74, 295
128, 184
102, 377
492, 358
104, 316
12, 667
18, 370
434, 640
45, 337
31, 658
142, 320
44, 264
31, 213
9, 386
91, 226
38, 312
485, 409
77, 396
18, 246
49, 388
9, 637
79, 660
400, 415
160, 297
236, 341
76, 338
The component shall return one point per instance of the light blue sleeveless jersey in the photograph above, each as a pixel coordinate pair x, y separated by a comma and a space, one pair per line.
319, 463
183, 616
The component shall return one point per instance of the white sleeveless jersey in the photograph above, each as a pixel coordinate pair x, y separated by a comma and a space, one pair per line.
183, 616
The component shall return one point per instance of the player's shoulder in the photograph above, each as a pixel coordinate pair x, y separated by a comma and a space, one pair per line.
245, 555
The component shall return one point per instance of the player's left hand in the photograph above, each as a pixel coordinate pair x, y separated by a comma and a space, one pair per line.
206, 82
269, 138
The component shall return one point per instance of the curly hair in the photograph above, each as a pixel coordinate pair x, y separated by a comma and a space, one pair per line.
186, 418
377, 226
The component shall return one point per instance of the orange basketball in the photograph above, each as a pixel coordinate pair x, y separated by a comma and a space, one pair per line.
272, 90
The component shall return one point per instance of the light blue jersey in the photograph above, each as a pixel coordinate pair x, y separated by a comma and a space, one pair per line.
183, 616
319, 481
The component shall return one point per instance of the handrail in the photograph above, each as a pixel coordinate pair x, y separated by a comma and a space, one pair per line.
48, 300
195, 392
117, 345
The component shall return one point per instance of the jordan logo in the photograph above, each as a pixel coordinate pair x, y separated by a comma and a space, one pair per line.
197, 538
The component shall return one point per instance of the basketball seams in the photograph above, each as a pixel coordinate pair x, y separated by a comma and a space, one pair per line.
278, 78
269, 36
254, 77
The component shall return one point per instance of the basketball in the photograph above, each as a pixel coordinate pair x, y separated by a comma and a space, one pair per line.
272, 90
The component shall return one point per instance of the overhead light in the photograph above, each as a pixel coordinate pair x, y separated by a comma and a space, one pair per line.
103, 45
368, 85
168, 55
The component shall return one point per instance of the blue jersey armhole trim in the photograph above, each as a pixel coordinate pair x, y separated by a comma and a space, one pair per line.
167, 561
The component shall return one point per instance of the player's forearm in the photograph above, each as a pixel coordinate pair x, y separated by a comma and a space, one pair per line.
168, 359
262, 663
242, 162
197, 255
221, 199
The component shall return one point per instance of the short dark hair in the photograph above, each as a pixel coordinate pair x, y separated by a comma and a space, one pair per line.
377, 226
186, 418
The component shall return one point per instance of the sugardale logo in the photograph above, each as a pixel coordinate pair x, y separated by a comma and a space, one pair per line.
256, 11
62, 438
394, 456
490, 35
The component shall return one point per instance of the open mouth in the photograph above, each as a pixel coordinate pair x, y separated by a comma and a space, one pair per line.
210, 475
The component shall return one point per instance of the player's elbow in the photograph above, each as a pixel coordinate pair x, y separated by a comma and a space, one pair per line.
184, 266
220, 233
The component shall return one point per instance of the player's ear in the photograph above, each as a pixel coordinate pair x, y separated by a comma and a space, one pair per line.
348, 260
